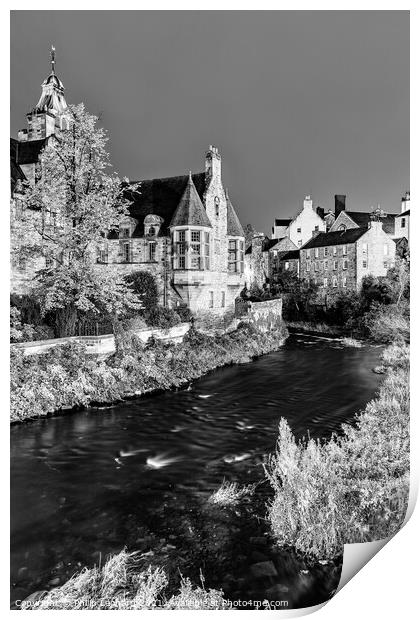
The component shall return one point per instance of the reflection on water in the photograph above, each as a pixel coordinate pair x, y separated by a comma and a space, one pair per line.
91, 482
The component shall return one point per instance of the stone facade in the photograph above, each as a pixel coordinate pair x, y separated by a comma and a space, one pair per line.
339, 260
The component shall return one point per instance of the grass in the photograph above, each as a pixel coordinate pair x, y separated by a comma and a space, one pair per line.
351, 342
230, 493
123, 584
352, 488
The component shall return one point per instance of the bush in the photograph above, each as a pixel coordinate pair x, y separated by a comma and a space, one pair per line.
162, 317
386, 324
352, 488
125, 583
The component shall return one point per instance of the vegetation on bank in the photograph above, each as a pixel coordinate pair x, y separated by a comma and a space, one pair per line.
124, 584
65, 376
354, 487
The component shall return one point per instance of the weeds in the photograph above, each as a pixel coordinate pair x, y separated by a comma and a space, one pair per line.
230, 493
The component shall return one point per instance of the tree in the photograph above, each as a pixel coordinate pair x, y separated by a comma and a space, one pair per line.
66, 217
145, 287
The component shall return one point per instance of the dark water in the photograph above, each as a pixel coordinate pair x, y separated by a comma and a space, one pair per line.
139, 474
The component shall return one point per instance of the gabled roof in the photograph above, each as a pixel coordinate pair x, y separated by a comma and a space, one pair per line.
190, 210
362, 218
234, 226
338, 237
161, 197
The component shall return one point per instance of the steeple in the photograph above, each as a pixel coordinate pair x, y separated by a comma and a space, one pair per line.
51, 112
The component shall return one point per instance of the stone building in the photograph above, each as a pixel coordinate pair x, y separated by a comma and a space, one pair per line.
402, 220
338, 260
264, 260
185, 231
300, 228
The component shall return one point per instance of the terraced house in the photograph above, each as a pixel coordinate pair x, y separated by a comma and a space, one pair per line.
339, 260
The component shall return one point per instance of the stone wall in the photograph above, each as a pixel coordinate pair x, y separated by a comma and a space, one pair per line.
104, 345
265, 315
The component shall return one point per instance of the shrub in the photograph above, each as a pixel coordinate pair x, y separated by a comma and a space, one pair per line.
352, 488
230, 493
386, 323
162, 317
124, 583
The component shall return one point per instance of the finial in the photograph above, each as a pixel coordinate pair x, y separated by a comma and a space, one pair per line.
190, 176
52, 59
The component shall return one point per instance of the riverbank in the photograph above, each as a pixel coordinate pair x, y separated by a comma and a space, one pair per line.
316, 329
66, 377
350, 489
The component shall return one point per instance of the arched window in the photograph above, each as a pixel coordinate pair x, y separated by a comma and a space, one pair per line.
216, 205
342, 227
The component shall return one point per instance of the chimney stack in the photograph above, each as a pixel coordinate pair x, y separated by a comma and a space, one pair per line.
340, 204
320, 212
213, 164
405, 202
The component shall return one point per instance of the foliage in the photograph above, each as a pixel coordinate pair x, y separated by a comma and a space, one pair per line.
19, 331
126, 583
230, 493
66, 377
352, 488
67, 215
162, 317
386, 323
145, 287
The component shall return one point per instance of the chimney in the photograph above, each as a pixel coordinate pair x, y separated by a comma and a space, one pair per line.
307, 203
320, 212
340, 204
213, 163
375, 225
405, 202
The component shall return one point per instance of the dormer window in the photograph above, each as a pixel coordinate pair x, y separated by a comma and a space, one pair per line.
152, 225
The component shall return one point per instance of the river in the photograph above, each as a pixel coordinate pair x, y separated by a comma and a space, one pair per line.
139, 474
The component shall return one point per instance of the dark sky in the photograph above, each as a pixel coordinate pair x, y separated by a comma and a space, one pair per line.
297, 102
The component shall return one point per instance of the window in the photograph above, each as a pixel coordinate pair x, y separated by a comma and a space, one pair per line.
286, 265
364, 264
344, 282
181, 236
223, 299
206, 250
216, 206
211, 302
308, 253
335, 282
325, 251
180, 250
335, 265
342, 227
308, 266
364, 248
403, 222
49, 262
325, 265
325, 282
345, 264
235, 256
126, 252
386, 249
152, 252
335, 250
299, 230
316, 228
195, 249
344, 250
103, 255
316, 252
317, 265
300, 242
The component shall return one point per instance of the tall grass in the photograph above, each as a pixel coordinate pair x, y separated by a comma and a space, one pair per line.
352, 488
122, 584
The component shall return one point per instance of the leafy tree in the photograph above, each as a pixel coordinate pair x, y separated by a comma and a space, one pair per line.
145, 287
66, 217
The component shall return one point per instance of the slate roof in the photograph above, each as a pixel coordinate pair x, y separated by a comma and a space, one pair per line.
234, 226
161, 197
362, 218
190, 210
283, 222
404, 213
290, 255
338, 237
27, 152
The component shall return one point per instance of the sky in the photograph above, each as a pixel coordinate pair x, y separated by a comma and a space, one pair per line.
298, 102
